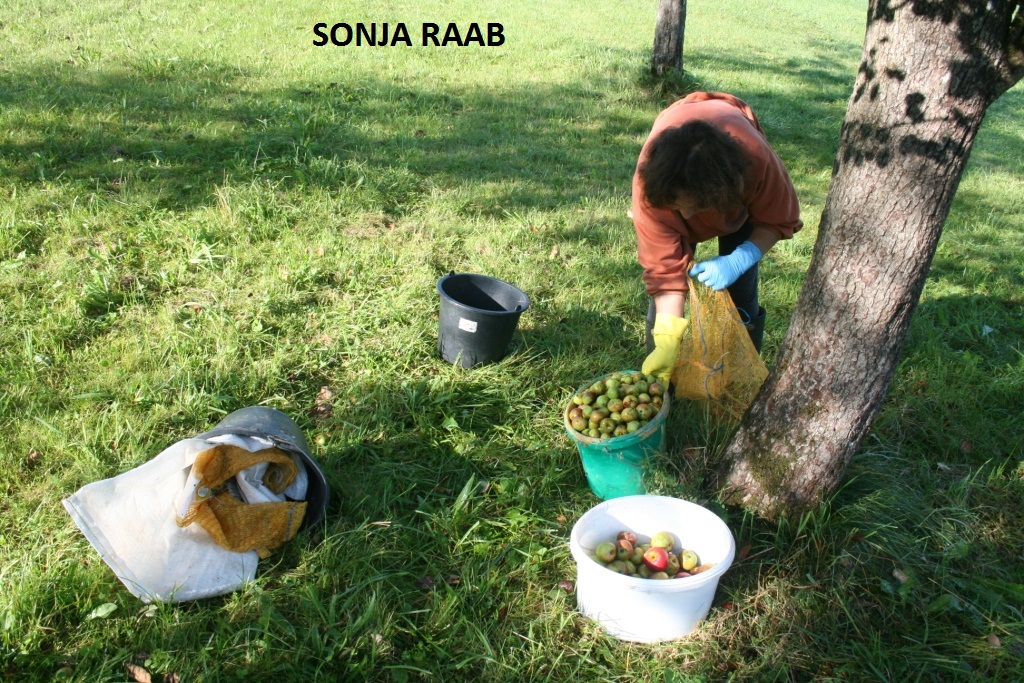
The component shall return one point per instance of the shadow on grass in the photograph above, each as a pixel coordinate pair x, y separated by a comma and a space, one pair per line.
961, 341
404, 452
187, 126
179, 129
803, 124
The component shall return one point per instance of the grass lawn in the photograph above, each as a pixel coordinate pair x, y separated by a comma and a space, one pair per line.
200, 211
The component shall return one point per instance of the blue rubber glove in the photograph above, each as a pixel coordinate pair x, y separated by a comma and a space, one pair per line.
722, 271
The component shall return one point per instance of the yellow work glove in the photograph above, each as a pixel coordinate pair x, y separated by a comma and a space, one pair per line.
667, 333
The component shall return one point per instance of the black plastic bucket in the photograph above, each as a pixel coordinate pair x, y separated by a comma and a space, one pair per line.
285, 434
479, 313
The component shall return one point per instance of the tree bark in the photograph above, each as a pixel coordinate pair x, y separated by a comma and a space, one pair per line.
929, 71
668, 37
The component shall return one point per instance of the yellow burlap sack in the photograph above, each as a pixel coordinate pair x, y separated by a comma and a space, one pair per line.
717, 363
233, 523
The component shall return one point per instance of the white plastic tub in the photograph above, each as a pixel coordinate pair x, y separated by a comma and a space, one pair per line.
649, 610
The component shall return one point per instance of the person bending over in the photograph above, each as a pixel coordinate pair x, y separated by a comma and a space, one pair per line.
706, 171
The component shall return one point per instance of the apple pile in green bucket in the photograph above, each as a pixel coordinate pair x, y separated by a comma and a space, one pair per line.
616, 404
658, 559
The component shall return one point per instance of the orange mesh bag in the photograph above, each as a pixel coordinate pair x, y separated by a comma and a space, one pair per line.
232, 523
717, 363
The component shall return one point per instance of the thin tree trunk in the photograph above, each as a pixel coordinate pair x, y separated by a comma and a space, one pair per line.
668, 37
928, 73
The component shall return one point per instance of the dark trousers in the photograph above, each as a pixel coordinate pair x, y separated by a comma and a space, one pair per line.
743, 291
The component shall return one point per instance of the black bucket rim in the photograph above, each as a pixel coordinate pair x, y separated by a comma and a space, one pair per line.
448, 297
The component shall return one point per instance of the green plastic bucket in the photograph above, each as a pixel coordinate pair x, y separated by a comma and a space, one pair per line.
615, 466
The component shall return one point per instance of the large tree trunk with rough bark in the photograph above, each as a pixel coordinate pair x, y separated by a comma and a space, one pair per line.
929, 71
668, 37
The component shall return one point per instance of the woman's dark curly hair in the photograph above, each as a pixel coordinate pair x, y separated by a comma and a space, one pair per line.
698, 159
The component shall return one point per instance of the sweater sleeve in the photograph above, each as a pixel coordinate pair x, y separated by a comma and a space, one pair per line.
771, 199
662, 250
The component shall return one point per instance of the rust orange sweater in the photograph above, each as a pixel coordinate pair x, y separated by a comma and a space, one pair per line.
664, 236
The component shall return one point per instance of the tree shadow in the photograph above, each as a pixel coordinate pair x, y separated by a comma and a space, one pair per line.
187, 126
180, 130
961, 340
177, 131
976, 77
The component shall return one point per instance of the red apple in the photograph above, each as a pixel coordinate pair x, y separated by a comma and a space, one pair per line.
656, 559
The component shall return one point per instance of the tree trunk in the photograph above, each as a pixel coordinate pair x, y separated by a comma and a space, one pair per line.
668, 37
929, 71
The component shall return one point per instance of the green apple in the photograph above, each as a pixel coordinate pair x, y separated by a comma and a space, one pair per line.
663, 539
688, 560
605, 551
619, 567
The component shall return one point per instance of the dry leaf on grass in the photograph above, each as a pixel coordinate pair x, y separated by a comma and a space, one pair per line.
324, 404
